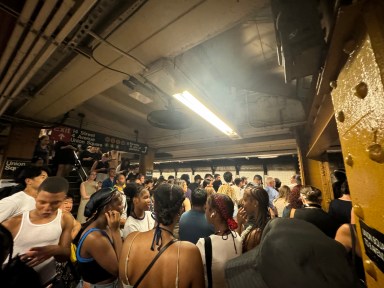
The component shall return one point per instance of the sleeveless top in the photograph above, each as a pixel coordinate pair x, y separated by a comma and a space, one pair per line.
89, 269
127, 260
39, 235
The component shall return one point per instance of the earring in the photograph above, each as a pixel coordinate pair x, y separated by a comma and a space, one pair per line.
213, 214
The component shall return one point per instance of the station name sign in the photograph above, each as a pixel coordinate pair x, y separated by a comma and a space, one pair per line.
85, 137
11, 164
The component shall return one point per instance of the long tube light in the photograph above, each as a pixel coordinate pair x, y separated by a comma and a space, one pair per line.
196, 106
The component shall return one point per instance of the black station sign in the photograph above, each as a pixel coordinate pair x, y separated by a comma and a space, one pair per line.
11, 164
90, 138
373, 244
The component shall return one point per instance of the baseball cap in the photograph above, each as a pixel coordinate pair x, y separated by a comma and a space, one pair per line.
292, 253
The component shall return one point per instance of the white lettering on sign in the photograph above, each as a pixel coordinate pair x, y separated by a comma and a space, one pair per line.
373, 240
13, 165
373, 248
86, 134
62, 130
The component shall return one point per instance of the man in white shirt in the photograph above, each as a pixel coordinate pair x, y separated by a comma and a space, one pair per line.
43, 234
24, 200
238, 188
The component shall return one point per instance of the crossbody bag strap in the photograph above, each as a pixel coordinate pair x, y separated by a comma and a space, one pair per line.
353, 238
208, 259
153, 262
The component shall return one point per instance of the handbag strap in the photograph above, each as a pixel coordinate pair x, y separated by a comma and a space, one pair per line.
153, 262
353, 238
208, 259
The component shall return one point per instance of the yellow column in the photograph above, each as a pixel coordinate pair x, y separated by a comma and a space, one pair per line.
359, 105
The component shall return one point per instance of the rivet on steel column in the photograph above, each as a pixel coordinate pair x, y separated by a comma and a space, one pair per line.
361, 90
340, 116
370, 269
349, 160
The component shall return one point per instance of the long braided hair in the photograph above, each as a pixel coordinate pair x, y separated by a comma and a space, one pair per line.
260, 219
223, 204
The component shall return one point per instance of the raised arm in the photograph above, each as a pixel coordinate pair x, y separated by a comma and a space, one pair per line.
93, 168
100, 248
241, 220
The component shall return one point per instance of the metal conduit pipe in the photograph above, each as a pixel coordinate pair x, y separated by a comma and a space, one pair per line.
69, 26
39, 45
25, 16
24, 56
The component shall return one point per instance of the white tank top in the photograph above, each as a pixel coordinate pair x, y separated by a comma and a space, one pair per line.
38, 235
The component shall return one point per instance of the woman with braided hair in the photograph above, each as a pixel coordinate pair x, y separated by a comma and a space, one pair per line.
253, 216
222, 246
171, 259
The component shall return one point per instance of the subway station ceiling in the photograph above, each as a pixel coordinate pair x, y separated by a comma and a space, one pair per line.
109, 65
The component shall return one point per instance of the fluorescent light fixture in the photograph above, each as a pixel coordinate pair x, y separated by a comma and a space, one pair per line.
267, 156
140, 97
196, 106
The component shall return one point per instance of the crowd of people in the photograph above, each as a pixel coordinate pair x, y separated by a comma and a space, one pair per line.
213, 232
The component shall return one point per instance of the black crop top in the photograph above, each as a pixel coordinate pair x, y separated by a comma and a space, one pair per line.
89, 269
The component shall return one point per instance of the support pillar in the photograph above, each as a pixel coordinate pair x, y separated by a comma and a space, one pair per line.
146, 163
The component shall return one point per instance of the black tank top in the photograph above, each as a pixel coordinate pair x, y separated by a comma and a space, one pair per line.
89, 269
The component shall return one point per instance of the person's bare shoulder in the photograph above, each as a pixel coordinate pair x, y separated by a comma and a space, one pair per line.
67, 218
189, 247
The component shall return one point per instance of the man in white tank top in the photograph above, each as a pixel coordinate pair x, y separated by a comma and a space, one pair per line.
44, 234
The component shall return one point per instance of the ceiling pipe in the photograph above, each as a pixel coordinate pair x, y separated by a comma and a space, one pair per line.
30, 49
22, 53
21, 25
69, 26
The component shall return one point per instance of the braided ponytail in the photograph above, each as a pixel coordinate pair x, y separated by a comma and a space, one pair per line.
225, 207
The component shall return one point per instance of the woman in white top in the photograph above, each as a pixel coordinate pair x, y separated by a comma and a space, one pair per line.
87, 188
138, 202
225, 243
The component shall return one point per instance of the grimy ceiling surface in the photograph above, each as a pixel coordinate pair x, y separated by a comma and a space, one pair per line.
62, 59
